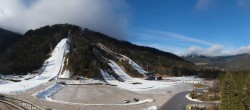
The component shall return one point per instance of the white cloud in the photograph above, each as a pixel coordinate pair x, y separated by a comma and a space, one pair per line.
107, 16
215, 50
155, 35
243, 3
241, 50
203, 4
166, 48
184, 45
193, 50
186, 38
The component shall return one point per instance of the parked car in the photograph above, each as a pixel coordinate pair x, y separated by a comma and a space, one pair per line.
159, 78
136, 100
126, 101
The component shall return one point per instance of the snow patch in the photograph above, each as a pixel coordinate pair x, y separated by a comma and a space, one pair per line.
84, 104
4, 82
135, 65
189, 98
86, 81
65, 74
151, 108
185, 79
133, 84
141, 85
52, 69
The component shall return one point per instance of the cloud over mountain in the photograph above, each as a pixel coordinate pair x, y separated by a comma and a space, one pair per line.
106, 16
215, 50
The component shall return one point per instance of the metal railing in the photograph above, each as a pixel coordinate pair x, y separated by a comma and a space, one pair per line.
24, 104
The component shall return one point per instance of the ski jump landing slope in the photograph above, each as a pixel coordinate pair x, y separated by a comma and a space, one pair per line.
52, 69
130, 83
131, 62
135, 65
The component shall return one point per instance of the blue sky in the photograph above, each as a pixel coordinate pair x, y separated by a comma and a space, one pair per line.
216, 26
203, 27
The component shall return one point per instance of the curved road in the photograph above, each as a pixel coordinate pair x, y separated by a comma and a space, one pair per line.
179, 102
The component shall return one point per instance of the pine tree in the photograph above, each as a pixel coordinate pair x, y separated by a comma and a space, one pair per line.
229, 96
246, 99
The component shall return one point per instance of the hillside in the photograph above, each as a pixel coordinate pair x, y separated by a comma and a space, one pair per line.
153, 59
7, 38
240, 62
32, 49
35, 46
235, 62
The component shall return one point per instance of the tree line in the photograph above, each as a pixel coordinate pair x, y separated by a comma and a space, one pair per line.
7, 38
235, 91
29, 53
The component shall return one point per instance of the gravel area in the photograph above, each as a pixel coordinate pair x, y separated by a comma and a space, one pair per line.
101, 94
96, 94
172, 89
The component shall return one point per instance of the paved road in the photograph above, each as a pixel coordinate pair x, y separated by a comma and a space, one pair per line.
178, 102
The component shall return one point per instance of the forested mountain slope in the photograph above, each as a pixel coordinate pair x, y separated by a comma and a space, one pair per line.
7, 38
30, 52
235, 62
32, 49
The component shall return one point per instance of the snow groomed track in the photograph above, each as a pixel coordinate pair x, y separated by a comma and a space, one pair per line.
119, 71
54, 65
135, 65
130, 83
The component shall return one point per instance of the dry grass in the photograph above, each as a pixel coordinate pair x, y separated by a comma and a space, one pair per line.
198, 85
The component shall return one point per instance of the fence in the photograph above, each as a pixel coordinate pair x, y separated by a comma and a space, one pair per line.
21, 103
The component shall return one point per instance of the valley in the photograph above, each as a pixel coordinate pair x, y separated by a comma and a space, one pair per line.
75, 68
52, 89
124, 55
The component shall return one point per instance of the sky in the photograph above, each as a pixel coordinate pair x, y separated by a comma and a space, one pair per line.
203, 27
183, 27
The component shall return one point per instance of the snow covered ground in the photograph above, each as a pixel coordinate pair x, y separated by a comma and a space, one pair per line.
4, 81
135, 65
84, 82
152, 108
189, 98
141, 85
134, 84
66, 72
119, 71
185, 79
131, 62
52, 69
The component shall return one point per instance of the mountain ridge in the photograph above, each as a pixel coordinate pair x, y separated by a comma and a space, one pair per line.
30, 52
7, 38
232, 62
